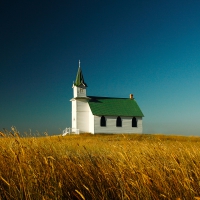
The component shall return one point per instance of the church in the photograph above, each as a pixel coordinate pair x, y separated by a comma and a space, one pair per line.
111, 115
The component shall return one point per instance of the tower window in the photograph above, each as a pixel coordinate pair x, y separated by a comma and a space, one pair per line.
134, 122
119, 122
103, 121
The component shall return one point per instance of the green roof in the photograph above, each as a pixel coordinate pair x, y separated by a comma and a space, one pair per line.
79, 78
114, 106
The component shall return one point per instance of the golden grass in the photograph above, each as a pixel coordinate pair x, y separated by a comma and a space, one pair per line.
99, 167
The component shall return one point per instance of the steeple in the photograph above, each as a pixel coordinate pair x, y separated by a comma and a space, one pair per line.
79, 82
79, 86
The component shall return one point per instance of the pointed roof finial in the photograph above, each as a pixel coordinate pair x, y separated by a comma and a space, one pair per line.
79, 63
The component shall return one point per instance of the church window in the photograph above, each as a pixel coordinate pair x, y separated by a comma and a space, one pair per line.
134, 122
103, 121
119, 122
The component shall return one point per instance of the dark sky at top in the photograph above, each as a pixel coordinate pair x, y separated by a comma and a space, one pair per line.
148, 48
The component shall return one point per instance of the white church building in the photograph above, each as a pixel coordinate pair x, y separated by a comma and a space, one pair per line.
94, 114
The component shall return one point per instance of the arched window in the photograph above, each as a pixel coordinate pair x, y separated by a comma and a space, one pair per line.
103, 121
134, 122
119, 122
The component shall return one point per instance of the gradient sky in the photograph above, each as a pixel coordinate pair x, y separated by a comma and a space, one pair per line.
150, 48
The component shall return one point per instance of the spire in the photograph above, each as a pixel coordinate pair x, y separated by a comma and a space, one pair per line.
79, 78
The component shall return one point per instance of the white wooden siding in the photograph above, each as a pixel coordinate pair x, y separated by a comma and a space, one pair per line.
79, 92
82, 115
74, 124
111, 125
91, 122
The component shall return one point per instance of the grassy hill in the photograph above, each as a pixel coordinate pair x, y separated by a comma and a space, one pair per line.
136, 166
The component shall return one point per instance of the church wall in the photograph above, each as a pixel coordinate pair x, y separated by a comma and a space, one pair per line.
82, 115
91, 122
111, 125
74, 124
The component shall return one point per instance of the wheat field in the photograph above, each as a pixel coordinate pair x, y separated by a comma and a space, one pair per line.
136, 166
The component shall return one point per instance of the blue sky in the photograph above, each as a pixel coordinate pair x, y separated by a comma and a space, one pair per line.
148, 48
